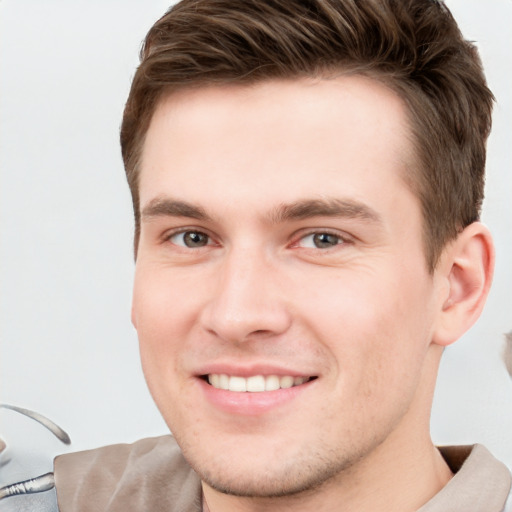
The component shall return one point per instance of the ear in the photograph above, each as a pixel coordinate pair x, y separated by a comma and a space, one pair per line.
466, 268
133, 316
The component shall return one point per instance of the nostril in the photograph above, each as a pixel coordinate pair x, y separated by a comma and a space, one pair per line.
260, 333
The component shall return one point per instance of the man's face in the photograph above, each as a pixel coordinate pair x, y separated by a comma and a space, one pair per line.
281, 247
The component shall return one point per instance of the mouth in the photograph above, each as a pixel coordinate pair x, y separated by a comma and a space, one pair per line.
255, 383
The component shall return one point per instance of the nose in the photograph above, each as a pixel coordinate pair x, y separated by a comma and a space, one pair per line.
247, 302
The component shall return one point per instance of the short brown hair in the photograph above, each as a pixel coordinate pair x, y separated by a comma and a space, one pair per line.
413, 46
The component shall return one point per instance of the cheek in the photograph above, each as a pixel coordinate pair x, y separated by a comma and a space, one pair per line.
375, 329
163, 304
162, 313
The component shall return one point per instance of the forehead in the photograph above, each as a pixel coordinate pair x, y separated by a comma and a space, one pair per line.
297, 137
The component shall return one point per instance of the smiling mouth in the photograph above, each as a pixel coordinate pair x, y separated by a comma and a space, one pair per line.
255, 383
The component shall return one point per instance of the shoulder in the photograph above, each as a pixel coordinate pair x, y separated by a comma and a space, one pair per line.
148, 475
508, 504
481, 483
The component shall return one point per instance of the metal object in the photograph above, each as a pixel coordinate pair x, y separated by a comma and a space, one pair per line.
41, 483
43, 420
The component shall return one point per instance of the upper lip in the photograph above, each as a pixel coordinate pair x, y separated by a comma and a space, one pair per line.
251, 370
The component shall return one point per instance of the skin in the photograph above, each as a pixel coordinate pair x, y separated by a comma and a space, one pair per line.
257, 176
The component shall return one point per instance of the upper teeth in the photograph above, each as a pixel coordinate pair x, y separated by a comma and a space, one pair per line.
255, 383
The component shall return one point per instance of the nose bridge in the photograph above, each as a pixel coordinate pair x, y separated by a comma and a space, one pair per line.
245, 302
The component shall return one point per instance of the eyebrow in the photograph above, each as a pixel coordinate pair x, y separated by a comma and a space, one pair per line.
297, 210
164, 207
329, 207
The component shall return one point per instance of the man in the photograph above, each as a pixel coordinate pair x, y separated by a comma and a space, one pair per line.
307, 180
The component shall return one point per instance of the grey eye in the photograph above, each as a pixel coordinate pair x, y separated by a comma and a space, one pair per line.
325, 240
320, 241
191, 239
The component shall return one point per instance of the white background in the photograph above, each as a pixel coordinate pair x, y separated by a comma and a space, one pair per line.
68, 349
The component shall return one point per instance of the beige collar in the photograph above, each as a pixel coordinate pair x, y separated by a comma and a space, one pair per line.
481, 483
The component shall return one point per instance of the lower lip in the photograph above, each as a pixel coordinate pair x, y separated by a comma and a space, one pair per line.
251, 404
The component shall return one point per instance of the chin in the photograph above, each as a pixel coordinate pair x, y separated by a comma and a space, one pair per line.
274, 478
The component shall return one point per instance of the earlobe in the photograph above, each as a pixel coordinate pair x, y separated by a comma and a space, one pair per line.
467, 265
